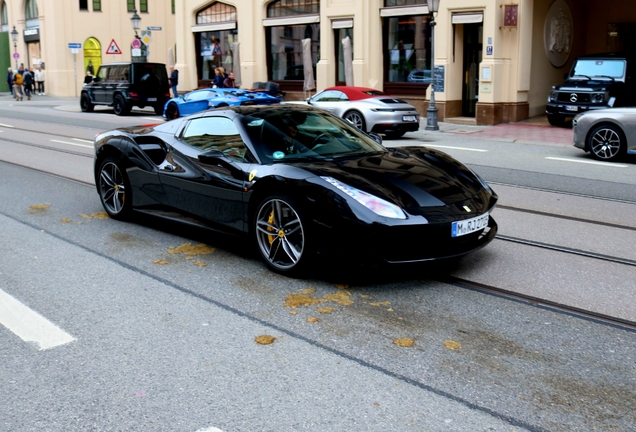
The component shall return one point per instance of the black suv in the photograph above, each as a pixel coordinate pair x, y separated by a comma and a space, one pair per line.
124, 85
594, 82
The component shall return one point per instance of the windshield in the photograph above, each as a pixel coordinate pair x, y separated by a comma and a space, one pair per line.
300, 135
599, 68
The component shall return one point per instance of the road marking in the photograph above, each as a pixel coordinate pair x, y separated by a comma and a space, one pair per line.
212, 429
73, 144
455, 148
83, 140
607, 164
29, 325
150, 118
5, 125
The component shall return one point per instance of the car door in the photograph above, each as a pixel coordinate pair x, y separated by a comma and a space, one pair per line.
209, 189
197, 101
331, 100
99, 83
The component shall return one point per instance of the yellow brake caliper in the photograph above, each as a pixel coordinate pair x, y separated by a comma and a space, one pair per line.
270, 221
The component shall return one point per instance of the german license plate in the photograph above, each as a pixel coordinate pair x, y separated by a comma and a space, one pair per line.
152, 99
410, 118
571, 108
469, 226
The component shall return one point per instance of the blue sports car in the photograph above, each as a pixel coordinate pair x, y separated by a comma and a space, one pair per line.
210, 98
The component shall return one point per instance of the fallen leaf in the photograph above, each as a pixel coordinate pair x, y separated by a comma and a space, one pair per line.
452, 345
312, 320
376, 404
100, 215
342, 286
326, 310
364, 296
39, 207
189, 249
309, 290
384, 303
65, 220
404, 342
390, 309
265, 339
160, 262
293, 313
200, 264
295, 300
85, 216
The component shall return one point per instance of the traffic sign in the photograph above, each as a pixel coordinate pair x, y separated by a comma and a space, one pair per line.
153, 28
74, 45
16, 56
136, 43
113, 48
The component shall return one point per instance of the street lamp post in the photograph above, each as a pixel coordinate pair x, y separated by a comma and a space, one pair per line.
136, 23
14, 38
431, 112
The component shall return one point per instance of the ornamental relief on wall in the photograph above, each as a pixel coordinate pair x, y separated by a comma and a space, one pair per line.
558, 33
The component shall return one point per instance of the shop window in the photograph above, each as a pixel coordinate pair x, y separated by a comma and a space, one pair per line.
285, 8
339, 35
83, 5
407, 54
214, 47
97, 5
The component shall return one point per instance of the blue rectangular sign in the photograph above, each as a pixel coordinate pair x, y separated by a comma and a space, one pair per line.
74, 45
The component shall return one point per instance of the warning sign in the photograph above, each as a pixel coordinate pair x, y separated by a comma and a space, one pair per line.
113, 48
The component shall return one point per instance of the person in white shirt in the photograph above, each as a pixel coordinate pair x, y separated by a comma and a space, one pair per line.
39, 81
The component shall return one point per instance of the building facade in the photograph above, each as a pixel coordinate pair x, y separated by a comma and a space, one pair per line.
47, 28
495, 60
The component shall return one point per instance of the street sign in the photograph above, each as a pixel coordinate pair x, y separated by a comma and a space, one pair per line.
136, 43
136, 52
146, 39
16, 56
113, 48
74, 45
153, 28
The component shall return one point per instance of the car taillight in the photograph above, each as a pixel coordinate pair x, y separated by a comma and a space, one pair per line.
133, 95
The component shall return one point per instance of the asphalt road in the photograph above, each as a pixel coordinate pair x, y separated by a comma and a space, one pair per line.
163, 340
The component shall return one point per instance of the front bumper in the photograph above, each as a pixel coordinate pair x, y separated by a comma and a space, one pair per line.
562, 109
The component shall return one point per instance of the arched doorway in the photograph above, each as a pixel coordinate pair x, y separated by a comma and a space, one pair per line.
92, 54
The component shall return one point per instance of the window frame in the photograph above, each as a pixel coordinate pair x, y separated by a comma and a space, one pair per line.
130, 5
97, 5
143, 6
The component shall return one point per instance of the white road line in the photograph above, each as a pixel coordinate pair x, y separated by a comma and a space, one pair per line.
73, 144
83, 140
607, 164
155, 119
455, 148
29, 325
5, 125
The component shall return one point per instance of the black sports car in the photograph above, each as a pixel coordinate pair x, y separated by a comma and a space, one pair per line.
298, 180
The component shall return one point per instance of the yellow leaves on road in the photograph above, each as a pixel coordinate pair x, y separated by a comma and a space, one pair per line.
384, 303
189, 249
452, 345
160, 262
312, 320
265, 339
341, 297
295, 300
326, 310
404, 342
65, 220
39, 208
96, 215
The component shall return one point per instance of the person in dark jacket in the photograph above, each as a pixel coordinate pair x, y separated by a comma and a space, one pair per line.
174, 80
10, 81
218, 78
28, 83
229, 81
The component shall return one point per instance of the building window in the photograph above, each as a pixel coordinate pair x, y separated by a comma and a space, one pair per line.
5, 17
83, 4
407, 54
389, 3
285, 8
284, 42
340, 34
31, 10
131, 5
214, 47
172, 6
97, 5
143, 5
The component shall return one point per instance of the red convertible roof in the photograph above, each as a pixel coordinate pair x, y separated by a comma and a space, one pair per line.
357, 93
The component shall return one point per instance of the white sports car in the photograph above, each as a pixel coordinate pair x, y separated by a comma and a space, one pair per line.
608, 134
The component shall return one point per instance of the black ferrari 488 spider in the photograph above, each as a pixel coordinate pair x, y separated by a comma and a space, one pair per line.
300, 182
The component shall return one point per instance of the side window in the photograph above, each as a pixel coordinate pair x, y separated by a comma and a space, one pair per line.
102, 73
215, 133
330, 96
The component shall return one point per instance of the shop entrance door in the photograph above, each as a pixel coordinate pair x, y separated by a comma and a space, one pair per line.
472, 58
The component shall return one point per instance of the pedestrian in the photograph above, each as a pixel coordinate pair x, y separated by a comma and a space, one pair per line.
10, 81
229, 81
28, 83
88, 78
39, 80
90, 68
174, 80
17, 84
218, 78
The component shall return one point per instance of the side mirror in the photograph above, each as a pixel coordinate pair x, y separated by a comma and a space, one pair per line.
375, 137
308, 100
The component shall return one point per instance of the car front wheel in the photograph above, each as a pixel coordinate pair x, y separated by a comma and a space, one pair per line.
114, 189
172, 111
606, 143
356, 119
281, 235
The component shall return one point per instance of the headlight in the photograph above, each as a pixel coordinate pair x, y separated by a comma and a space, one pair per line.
376, 205
598, 97
553, 96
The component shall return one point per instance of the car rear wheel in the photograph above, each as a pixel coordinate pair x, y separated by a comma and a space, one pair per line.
86, 104
114, 189
606, 143
556, 120
119, 106
172, 111
356, 119
281, 235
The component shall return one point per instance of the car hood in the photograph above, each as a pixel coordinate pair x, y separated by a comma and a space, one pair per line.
413, 178
588, 85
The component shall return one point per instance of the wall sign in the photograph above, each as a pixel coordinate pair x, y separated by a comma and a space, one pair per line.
510, 15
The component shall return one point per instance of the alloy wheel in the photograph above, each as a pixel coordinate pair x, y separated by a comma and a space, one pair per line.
112, 188
356, 119
605, 143
279, 234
